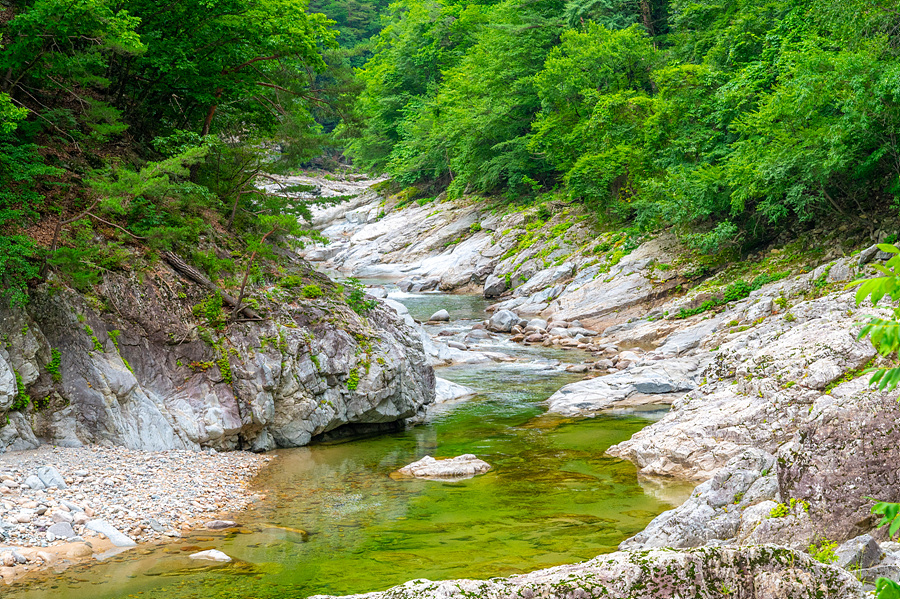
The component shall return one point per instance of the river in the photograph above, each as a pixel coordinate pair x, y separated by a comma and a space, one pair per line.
334, 521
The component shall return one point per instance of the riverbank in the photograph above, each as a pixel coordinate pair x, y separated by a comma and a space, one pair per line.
335, 509
759, 359
758, 356
54, 500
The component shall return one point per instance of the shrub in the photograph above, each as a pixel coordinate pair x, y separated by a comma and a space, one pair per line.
211, 311
53, 365
311, 291
357, 298
738, 290
824, 552
290, 281
22, 398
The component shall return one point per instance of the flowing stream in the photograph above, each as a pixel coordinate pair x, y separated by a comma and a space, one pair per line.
333, 520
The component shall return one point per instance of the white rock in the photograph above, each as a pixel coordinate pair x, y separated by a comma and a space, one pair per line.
445, 390
440, 316
460, 467
212, 555
117, 538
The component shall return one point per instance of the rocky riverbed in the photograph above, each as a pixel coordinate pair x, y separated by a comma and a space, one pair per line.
58, 505
759, 360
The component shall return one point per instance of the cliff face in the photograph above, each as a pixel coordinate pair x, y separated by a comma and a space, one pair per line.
135, 367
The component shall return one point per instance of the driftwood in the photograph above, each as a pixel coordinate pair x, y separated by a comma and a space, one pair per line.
196, 276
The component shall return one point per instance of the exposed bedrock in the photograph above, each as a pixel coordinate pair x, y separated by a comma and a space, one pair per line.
140, 373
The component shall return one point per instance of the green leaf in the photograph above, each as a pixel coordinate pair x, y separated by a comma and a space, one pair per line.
886, 588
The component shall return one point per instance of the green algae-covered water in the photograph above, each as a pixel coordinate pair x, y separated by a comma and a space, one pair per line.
333, 520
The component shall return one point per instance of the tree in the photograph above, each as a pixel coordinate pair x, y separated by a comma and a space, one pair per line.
20, 167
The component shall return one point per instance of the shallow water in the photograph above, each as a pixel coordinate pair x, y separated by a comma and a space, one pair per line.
333, 521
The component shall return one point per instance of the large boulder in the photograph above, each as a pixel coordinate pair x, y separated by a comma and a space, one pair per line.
503, 321
494, 286
658, 382
418, 284
846, 455
458, 468
761, 386
8, 388
142, 377
714, 510
761, 572
445, 391
545, 278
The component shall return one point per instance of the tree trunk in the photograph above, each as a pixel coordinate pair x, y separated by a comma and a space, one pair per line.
196, 276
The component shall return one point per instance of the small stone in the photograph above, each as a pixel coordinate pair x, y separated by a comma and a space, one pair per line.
117, 538
62, 529
51, 477
79, 550
220, 524
155, 525
63, 517
34, 483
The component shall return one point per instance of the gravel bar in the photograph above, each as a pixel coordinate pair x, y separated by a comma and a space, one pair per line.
54, 497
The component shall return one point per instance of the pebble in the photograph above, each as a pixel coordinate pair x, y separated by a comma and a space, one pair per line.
149, 495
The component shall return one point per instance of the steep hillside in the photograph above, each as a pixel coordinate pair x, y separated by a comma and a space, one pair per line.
154, 361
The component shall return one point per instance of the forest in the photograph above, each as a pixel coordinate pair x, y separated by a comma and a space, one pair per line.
138, 121
730, 120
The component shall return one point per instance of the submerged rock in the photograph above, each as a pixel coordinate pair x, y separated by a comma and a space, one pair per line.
212, 555
460, 467
221, 524
445, 390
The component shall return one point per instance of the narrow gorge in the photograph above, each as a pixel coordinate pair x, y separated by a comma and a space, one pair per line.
562, 353
438, 299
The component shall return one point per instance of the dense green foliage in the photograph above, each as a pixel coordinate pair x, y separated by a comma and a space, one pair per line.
883, 332
139, 120
730, 120
136, 127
